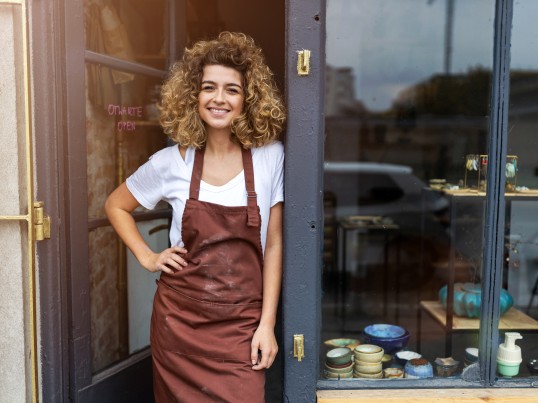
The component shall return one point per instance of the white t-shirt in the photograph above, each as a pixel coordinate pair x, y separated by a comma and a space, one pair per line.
166, 176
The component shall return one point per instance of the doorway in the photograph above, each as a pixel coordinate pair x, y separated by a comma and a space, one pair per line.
125, 49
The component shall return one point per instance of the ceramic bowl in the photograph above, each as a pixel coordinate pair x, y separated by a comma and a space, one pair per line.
446, 367
393, 373
349, 343
331, 375
470, 356
342, 370
532, 366
367, 367
338, 356
391, 338
368, 353
378, 375
403, 356
418, 368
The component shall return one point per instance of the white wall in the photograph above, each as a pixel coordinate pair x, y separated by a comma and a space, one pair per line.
15, 379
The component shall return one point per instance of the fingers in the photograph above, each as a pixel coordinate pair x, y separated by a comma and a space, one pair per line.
266, 360
171, 260
254, 353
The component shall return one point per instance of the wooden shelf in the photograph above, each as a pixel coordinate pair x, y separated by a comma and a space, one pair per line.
514, 319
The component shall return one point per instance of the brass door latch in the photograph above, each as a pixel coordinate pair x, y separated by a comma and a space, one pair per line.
303, 62
298, 346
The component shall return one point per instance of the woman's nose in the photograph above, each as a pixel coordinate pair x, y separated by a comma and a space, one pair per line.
219, 96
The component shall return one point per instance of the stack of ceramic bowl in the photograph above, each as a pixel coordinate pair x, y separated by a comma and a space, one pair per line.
338, 363
368, 361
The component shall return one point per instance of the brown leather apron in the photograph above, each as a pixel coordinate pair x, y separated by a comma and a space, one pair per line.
205, 315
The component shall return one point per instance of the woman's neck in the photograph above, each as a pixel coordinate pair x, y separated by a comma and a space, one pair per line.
220, 143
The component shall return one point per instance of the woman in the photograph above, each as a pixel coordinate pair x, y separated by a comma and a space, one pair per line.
212, 327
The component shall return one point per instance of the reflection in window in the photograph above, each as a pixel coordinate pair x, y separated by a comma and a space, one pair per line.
407, 99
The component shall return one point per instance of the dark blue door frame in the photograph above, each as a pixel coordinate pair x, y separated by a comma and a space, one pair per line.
303, 217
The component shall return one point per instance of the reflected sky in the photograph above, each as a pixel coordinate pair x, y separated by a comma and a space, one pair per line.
394, 44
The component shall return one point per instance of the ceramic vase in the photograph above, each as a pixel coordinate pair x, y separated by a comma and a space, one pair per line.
468, 299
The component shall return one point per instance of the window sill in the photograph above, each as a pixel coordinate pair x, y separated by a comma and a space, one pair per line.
428, 395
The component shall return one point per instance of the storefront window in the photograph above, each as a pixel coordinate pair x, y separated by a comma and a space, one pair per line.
407, 103
520, 274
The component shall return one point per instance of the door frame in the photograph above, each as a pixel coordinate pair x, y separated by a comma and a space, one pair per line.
303, 214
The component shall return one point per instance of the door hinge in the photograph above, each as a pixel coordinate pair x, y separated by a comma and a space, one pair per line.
298, 346
41, 222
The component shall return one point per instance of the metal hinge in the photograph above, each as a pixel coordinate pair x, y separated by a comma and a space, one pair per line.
41, 222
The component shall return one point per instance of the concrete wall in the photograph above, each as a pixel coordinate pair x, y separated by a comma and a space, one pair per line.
15, 374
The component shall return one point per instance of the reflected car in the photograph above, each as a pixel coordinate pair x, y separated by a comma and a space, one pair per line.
393, 192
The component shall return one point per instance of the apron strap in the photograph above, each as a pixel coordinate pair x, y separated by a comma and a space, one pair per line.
248, 168
197, 173
252, 201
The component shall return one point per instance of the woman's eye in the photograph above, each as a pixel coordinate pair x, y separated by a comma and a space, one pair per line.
207, 88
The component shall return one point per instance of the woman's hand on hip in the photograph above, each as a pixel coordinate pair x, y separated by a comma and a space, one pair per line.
168, 261
264, 341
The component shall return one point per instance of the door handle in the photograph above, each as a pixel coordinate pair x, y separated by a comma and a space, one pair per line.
298, 346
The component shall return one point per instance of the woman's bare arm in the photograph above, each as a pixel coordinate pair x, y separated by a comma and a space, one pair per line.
264, 337
118, 207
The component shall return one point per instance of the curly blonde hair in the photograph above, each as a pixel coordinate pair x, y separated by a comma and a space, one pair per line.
263, 116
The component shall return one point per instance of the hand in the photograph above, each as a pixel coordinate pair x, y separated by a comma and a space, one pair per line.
169, 260
264, 340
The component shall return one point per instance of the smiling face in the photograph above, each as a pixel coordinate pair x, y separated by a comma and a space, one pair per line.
221, 97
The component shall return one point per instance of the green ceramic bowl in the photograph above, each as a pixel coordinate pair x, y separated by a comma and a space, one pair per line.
338, 356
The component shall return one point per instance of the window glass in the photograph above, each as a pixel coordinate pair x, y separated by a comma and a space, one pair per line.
407, 101
133, 30
122, 131
520, 274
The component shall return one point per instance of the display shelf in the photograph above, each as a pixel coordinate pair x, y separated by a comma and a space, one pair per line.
513, 319
462, 233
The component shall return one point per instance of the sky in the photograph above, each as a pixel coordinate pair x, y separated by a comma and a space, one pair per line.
394, 44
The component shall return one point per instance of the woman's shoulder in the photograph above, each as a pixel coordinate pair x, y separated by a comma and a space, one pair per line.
163, 159
274, 149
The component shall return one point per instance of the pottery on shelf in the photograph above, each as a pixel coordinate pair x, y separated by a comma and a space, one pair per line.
391, 338
368, 353
338, 356
446, 367
468, 298
418, 368
403, 356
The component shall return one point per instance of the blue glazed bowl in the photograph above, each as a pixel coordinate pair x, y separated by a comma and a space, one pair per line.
418, 368
391, 338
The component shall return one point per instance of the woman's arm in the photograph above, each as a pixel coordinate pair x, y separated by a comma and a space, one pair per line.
118, 207
264, 337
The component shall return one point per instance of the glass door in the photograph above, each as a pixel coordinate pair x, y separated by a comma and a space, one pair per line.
127, 48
